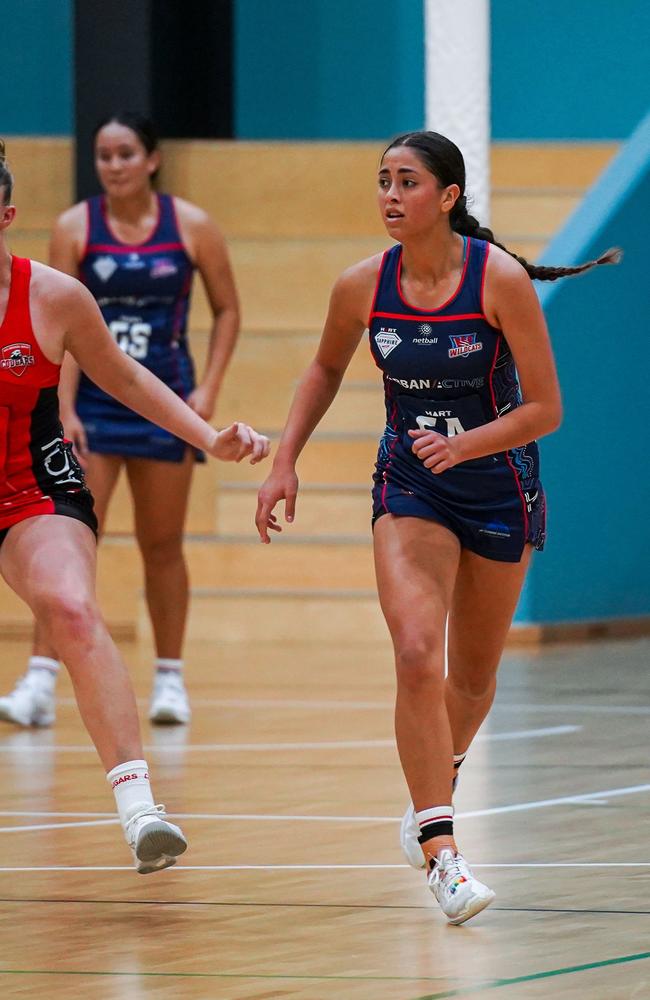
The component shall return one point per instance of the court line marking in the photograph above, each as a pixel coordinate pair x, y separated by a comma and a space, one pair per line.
266, 904
463, 990
517, 734
587, 797
495, 984
325, 867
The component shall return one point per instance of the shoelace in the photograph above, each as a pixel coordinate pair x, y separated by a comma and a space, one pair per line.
158, 810
457, 868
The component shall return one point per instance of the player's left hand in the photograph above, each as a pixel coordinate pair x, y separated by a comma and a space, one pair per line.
203, 401
234, 443
437, 452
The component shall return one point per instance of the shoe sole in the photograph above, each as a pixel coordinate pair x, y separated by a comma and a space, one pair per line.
39, 721
167, 717
158, 848
475, 906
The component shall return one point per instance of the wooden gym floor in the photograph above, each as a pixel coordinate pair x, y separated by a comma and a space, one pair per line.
288, 786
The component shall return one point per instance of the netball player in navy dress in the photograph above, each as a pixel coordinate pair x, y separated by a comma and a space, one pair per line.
458, 506
47, 525
136, 251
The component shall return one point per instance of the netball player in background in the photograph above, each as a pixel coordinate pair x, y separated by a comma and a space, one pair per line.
458, 504
47, 524
136, 251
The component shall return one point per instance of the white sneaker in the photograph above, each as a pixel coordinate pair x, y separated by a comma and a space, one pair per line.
31, 703
409, 832
169, 701
155, 842
459, 894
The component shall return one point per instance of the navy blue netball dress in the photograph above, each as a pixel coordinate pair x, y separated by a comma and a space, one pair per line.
449, 370
143, 291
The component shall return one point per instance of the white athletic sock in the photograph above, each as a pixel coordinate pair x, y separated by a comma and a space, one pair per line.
437, 821
165, 664
130, 784
44, 663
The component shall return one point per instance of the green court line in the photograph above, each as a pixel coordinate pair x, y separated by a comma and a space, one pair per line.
463, 991
495, 984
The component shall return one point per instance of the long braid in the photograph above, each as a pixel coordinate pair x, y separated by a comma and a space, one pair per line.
444, 160
466, 225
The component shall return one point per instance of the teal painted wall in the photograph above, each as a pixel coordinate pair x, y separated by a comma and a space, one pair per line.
328, 69
595, 468
576, 70
335, 69
36, 67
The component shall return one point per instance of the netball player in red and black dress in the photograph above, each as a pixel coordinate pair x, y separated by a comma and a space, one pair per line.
47, 523
136, 250
458, 504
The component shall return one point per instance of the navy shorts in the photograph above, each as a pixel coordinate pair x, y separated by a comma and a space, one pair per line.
494, 533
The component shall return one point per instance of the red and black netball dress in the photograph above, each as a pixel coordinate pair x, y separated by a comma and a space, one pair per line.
449, 370
38, 471
143, 291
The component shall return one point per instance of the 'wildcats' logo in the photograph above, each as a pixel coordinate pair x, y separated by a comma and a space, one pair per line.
387, 340
463, 344
17, 357
105, 267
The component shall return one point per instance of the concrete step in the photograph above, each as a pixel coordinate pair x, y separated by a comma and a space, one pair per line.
321, 512
317, 616
286, 189
236, 562
284, 284
331, 460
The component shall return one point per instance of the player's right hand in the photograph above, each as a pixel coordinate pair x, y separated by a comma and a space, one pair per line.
280, 485
234, 443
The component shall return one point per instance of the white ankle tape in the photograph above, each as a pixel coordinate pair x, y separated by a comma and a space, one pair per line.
43, 663
166, 664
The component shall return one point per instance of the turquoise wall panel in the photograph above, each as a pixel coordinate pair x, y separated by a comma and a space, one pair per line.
328, 69
37, 67
595, 468
576, 70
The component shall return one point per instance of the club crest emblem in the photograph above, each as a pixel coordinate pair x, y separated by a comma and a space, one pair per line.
17, 357
464, 344
104, 267
387, 341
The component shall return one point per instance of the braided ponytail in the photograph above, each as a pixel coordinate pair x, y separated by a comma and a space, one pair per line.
6, 180
444, 160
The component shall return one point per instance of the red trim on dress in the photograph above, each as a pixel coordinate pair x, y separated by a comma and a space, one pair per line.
429, 319
449, 300
136, 248
483, 273
87, 238
379, 276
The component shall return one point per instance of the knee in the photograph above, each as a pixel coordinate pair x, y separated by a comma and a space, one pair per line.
68, 616
475, 686
158, 553
419, 663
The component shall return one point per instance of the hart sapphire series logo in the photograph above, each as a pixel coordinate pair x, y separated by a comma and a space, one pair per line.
17, 357
387, 340
463, 344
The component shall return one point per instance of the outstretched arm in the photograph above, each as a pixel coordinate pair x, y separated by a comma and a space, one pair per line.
91, 345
